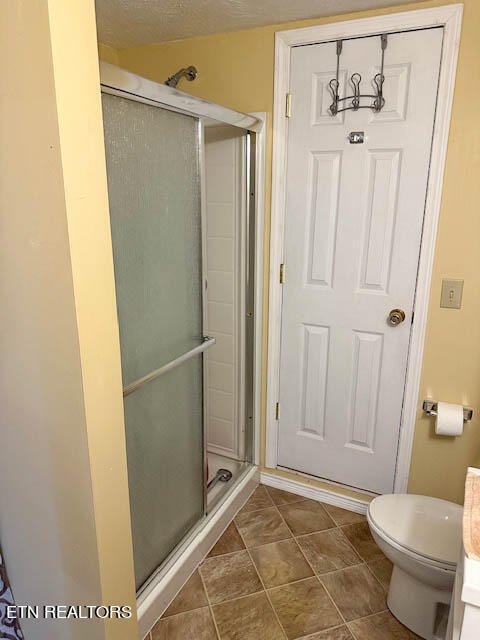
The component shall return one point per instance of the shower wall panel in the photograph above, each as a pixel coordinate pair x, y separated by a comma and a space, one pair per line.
225, 204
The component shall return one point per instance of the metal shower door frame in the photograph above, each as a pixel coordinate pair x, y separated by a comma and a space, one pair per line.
118, 82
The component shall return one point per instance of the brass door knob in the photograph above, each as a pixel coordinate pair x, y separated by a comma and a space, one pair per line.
396, 317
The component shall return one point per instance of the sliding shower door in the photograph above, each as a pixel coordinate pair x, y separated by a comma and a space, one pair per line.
154, 192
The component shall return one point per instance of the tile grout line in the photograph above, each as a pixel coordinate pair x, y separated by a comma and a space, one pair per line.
357, 553
315, 633
274, 504
329, 573
363, 562
312, 568
268, 544
181, 613
246, 595
377, 579
371, 615
300, 498
210, 607
235, 597
265, 590
209, 603
263, 585
240, 511
254, 567
207, 596
303, 535
345, 622
206, 557
361, 617
219, 555
351, 632
318, 576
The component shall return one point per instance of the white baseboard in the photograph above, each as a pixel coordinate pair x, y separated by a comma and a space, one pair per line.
314, 493
153, 601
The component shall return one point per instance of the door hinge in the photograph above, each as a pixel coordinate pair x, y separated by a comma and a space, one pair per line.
282, 273
413, 315
288, 105
277, 411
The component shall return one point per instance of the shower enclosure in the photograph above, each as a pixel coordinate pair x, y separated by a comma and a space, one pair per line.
181, 191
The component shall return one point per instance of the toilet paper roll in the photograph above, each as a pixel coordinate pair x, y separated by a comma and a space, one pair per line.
449, 420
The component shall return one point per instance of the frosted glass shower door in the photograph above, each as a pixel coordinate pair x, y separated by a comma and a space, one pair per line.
154, 193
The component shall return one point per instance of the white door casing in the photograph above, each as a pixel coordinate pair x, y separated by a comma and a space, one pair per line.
353, 227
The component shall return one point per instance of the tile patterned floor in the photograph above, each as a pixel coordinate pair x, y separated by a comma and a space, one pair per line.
287, 568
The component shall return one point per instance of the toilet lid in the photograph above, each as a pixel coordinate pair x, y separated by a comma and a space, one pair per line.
428, 526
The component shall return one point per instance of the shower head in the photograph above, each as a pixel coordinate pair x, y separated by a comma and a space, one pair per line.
190, 73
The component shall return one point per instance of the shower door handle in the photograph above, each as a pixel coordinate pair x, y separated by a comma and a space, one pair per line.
206, 343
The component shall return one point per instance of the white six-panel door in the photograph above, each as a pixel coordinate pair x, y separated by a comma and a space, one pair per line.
353, 224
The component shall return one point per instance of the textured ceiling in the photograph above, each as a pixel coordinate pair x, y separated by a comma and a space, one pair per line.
130, 23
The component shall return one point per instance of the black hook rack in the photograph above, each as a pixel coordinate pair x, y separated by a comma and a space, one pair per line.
355, 80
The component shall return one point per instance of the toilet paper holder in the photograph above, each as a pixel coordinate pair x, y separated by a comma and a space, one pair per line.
430, 408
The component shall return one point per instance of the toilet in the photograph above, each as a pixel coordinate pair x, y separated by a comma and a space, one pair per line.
422, 536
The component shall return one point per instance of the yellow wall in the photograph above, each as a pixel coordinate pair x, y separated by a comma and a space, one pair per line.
236, 70
64, 510
108, 54
80, 125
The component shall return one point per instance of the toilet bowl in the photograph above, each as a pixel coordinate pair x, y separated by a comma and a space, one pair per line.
422, 536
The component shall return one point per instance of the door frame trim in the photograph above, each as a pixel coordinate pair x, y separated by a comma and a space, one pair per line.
450, 17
